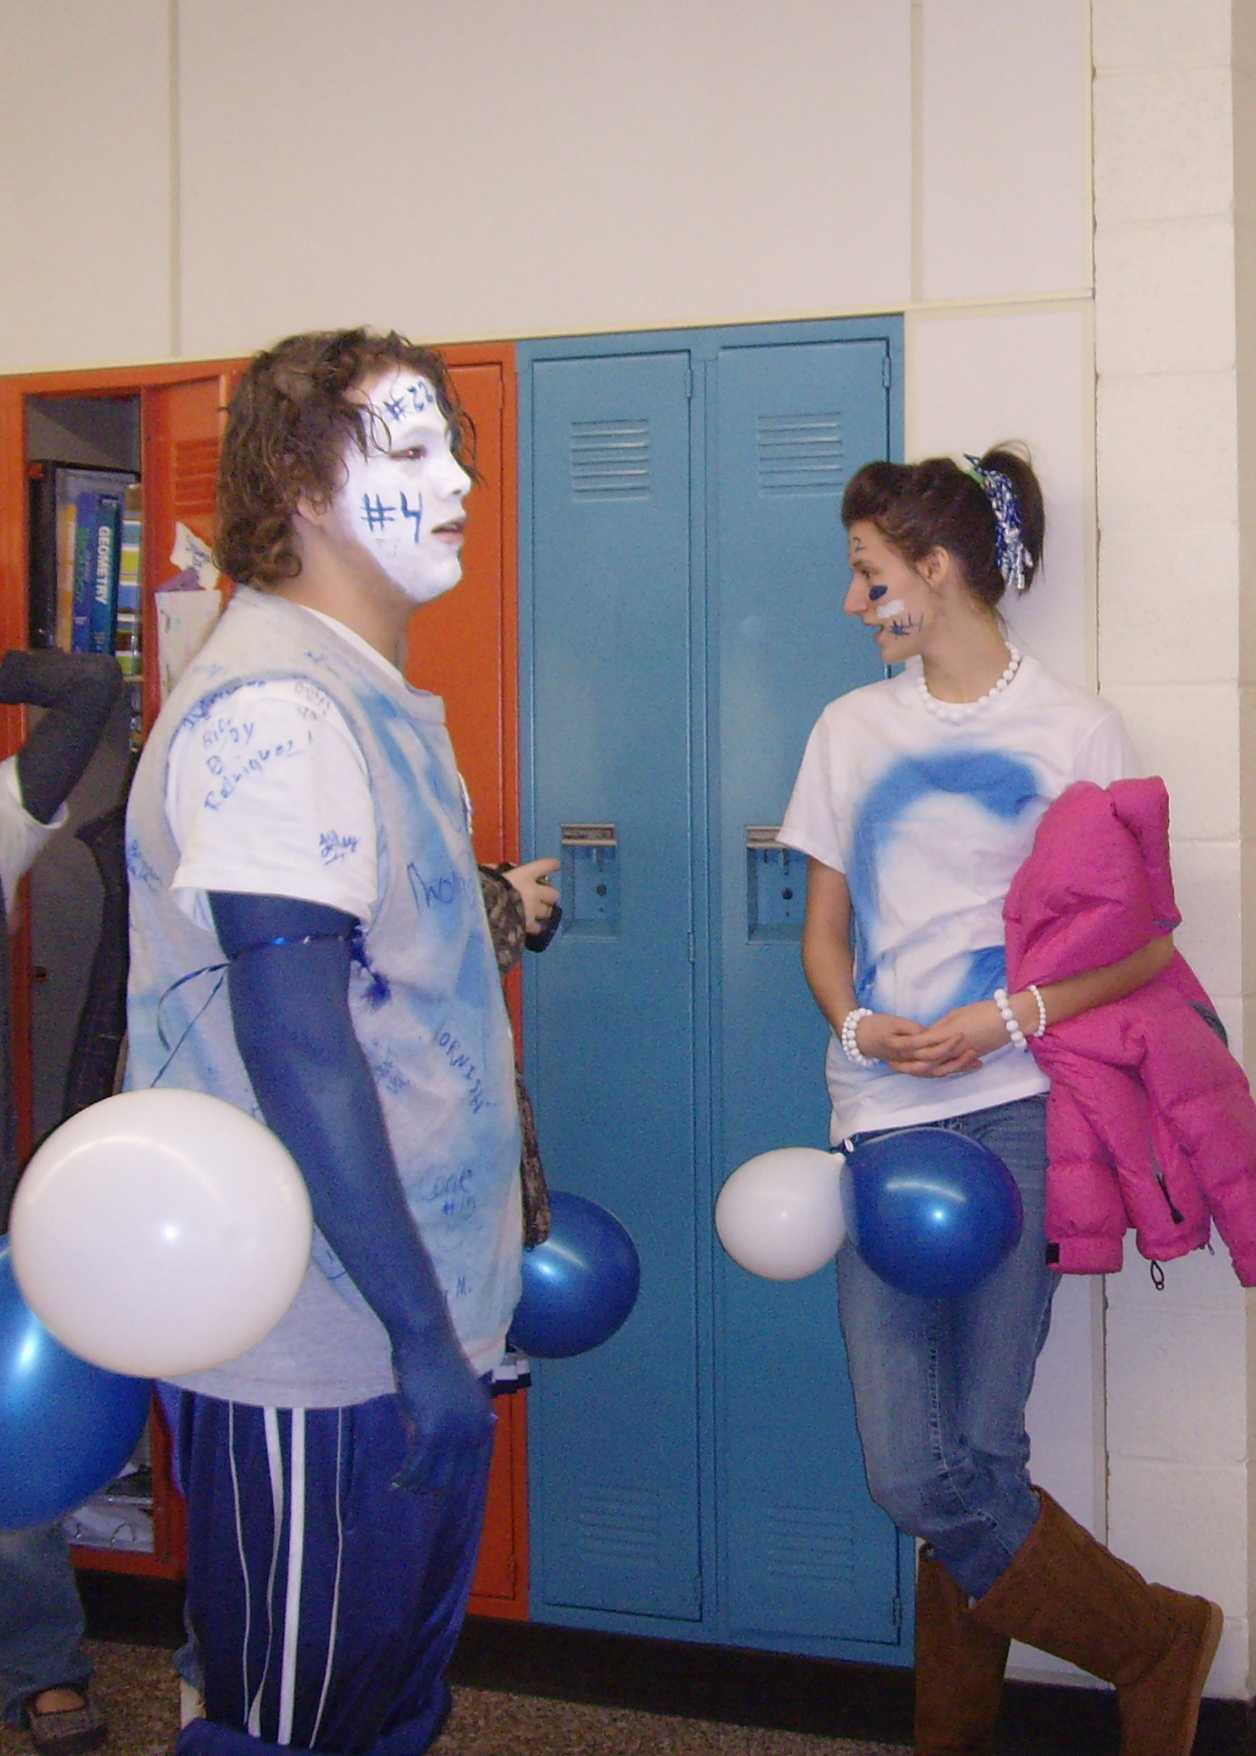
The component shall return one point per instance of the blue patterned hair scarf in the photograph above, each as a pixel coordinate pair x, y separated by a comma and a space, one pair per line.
1009, 539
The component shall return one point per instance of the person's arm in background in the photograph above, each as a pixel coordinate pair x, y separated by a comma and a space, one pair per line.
78, 691
290, 1010
536, 893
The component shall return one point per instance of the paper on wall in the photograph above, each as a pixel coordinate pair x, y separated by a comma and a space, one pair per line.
191, 551
187, 607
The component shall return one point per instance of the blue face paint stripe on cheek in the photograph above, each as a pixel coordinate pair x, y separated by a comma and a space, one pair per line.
416, 514
876, 592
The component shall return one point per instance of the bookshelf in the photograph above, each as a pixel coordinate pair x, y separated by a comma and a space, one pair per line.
126, 423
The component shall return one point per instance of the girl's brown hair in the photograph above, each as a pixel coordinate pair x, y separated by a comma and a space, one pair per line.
936, 505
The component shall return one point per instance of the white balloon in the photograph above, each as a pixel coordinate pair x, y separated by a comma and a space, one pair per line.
160, 1232
780, 1214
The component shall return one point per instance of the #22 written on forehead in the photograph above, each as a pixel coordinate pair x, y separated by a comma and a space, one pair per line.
377, 513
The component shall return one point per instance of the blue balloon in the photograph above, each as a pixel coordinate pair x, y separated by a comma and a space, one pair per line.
579, 1285
929, 1210
66, 1428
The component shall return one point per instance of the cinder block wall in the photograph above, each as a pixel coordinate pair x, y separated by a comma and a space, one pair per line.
1175, 649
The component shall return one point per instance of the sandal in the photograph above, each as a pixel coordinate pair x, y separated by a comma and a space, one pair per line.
68, 1731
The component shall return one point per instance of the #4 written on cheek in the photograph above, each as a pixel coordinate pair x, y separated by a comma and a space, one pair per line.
403, 502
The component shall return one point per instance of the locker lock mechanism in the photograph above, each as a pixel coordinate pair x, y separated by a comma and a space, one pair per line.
776, 885
590, 878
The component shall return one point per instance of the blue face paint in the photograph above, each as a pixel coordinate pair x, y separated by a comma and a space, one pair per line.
876, 591
416, 514
377, 516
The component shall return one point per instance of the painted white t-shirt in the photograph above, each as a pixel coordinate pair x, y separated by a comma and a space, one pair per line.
929, 820
277, 839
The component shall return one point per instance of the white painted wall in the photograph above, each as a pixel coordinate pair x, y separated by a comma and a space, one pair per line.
976, 375
85, 213
504, 170
196, 177
1004, 149
571, 168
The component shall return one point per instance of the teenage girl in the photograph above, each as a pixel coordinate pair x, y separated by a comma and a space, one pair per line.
916, 802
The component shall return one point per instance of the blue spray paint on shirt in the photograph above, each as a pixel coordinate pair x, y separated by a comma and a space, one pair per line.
998, 783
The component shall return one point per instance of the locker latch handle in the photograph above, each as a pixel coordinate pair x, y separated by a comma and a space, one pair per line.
776, 887
588, 834
590, 878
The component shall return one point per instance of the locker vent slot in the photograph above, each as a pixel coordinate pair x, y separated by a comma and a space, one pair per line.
801, 454
195, 477
620, 1525
805, 1544
610, 460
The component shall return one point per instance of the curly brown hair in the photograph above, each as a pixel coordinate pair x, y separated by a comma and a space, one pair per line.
288, 428
935, 504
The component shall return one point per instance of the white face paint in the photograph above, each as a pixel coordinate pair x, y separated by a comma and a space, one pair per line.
895, 607
403, 502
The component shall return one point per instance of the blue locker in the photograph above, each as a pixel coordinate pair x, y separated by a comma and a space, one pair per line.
803, 1546
682, 569
608, 726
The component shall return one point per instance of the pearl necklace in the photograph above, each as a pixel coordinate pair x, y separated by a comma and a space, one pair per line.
961, 710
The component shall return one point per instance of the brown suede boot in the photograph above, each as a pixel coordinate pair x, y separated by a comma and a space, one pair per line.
1067, 1595
959, 1668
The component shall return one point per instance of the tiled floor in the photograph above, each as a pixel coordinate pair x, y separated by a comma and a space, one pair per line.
136, 1687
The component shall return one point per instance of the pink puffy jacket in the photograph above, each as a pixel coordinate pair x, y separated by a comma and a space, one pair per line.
1150, 1122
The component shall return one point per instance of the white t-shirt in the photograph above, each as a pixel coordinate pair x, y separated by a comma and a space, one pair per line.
929, 820
272, 837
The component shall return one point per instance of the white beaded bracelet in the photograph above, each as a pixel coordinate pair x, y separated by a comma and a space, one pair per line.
1009, 1018
1033, 988
850, 1024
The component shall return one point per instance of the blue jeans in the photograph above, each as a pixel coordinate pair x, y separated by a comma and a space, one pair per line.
941, 1384
41, 1619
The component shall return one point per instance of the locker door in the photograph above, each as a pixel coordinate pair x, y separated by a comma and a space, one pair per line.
805, 1550
463, 645
613, 1434
182, 427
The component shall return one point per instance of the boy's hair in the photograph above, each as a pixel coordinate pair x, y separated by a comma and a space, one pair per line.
289, 426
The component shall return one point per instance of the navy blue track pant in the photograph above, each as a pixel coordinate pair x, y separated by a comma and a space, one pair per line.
324, 1602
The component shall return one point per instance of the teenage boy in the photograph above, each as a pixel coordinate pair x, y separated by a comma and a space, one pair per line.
309, 943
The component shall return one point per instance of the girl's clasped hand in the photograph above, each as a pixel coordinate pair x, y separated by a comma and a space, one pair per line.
954, 1043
